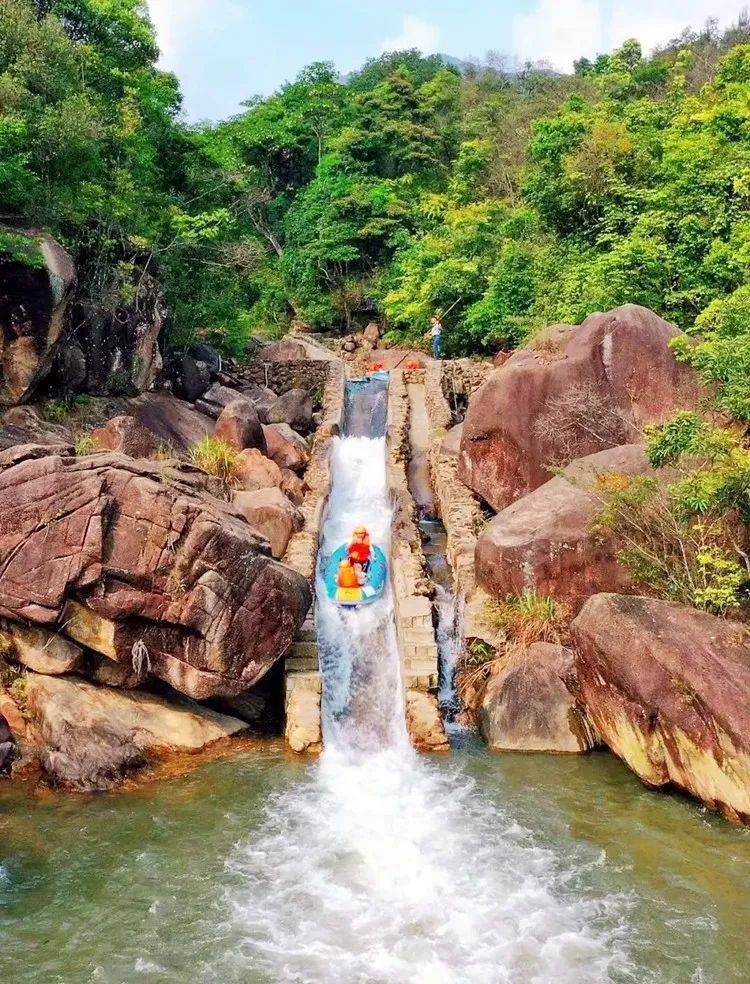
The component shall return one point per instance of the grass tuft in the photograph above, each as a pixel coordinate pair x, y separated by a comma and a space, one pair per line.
529, 618
216, 458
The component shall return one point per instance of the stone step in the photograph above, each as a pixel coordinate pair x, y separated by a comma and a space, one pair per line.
420, 666
301, 664
304, 650
307, 631
420, 681
304, 681
419, 636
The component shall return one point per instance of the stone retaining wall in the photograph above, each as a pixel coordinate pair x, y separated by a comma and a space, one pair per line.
463, 376
303, 683
302, 551
411, 588
309, 374
456, 505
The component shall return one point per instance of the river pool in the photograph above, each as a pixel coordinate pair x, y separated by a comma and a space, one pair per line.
145, 885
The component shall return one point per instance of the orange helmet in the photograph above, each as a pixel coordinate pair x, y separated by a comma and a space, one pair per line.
360, 531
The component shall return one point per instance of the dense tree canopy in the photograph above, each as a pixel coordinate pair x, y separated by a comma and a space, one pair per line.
517, 199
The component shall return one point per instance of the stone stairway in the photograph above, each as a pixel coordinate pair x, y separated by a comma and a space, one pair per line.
303, 687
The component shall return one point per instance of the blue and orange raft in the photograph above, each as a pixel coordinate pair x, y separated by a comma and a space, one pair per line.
371, 590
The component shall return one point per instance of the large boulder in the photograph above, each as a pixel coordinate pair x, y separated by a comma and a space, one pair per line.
667, 688
39, 649
293, 408
126, 435
238, 426
547, 542
286, 447
37, 280
371, 333
174, 422
261, 397
215, 399
574, 391
530, 705
24, 425
285, 350
121, 344
292, 486
134, 560
88, 737
190, 376
254, 471
271, 514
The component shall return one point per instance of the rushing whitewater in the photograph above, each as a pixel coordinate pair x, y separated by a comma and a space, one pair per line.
381, 866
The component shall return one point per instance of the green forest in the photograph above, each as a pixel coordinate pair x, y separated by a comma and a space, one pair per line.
518, 199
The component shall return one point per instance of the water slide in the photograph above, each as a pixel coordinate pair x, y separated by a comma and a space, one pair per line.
382, 865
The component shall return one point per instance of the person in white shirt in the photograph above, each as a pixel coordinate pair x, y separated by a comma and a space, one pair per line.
434, 333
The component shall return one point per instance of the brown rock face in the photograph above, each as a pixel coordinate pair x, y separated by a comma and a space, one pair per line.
254, 471
667, 688
530, 705
286, 447
33, 305
293, 408
545, 540
39, 649
423, 722
89, 737
158, 572
284, 350
126, 435
23, 425
215, 399
577, 390
239, 426
271, 514
174, 422
292, 486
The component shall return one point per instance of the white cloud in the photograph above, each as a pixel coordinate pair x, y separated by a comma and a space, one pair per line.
415, 33
559, 31
654, 23
207, 45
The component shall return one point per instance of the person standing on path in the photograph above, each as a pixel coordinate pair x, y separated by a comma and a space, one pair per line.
436, 330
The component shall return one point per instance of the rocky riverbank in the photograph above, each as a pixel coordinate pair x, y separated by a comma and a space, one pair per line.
157, 545
563, 652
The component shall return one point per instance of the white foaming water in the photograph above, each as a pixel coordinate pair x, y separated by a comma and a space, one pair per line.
450, 611
385, 867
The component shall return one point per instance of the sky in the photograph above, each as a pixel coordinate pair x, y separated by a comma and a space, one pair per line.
226, 51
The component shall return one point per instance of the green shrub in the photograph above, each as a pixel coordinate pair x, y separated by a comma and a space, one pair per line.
61, 409
216, 458
84, 444
530, 617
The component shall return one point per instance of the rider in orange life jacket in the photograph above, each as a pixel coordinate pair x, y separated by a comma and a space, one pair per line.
360, 550
348, 577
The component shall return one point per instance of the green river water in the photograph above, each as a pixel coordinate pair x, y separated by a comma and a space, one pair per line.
136, 886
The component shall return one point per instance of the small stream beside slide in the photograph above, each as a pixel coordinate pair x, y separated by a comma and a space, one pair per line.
448, 607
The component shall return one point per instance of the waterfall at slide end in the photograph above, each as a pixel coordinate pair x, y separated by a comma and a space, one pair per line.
385, 866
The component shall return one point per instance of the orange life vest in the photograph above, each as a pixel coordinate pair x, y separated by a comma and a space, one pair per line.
347, 575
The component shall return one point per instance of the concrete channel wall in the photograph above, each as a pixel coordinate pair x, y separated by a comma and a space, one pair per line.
411, 587
302, 679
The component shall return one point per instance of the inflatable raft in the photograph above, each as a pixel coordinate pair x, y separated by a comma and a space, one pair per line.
371, 590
